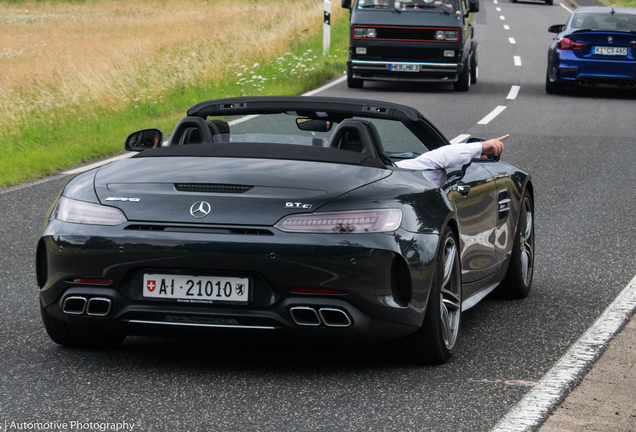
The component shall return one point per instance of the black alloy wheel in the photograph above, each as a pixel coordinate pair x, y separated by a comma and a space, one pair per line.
553, 87
463, 83
474, 68
518, 280
436, 340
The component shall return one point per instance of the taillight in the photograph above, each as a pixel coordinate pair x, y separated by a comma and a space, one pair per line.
366, 221
70, 210
91, 281
567, 44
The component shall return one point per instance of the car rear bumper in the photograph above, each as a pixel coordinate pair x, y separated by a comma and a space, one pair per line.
383, 278
596, 73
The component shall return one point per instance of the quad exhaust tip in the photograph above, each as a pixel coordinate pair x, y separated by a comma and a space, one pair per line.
304, 316
330, 317
334, 317
79, 305
99, 306
74, 305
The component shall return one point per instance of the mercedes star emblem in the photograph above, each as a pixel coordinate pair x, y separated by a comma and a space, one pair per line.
200, 209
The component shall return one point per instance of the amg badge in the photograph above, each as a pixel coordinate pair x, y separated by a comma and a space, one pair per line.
122, 199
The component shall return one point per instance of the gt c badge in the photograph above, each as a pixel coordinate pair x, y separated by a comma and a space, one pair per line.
297, 205
200, 209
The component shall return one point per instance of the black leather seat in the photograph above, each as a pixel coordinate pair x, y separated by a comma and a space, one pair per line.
359, 136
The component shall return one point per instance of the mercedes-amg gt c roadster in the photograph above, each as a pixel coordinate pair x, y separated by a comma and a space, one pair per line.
296, 222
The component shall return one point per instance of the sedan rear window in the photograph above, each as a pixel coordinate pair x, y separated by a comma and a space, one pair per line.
604, 21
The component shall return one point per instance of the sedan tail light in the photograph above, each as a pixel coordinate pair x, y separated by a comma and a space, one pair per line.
567, 44
366, 221
70, 210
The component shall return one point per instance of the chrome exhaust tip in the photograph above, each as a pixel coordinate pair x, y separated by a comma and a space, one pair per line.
304, 316
74, 305
334, 317
99, 306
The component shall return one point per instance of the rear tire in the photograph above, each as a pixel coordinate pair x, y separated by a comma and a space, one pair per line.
435, 341
474, 68
553, 87
73, 336
353, 82
518, 280
549, 2
463, 83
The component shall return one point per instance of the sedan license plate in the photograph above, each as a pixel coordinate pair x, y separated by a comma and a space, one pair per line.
610, 51
404, 67
196, 289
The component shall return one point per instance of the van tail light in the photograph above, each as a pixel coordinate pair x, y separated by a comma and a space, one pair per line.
567, 44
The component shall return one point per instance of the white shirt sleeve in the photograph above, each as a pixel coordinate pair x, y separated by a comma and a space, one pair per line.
444, 157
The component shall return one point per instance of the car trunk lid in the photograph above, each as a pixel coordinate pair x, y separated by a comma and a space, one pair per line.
234, 191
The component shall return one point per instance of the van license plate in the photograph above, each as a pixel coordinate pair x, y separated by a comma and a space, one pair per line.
404, 67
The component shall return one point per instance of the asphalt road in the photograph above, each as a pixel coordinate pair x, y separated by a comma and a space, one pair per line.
579, 147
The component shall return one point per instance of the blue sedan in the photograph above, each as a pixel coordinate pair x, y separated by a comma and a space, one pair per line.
596, 48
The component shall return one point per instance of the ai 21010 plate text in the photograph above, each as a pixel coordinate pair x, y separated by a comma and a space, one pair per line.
196, 287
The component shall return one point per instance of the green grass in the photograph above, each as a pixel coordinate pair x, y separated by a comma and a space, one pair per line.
40, 149
619, 3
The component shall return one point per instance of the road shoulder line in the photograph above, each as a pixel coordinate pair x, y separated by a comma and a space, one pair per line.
539, 402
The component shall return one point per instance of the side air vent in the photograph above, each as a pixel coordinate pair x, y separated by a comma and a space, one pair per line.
211, 187
504, 204
199, 229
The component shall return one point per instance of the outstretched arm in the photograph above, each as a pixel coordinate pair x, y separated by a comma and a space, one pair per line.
454, 155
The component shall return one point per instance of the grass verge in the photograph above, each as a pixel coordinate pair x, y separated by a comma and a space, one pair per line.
41, 148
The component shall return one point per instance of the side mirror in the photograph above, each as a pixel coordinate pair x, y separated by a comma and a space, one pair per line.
346, 4
489, 157
314, 125
144, 140
473, 6
557, 28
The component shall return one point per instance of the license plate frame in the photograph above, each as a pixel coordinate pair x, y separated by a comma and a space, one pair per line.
196, 289
404, 67
609, 51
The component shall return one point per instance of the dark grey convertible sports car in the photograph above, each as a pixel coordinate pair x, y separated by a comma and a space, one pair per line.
296, 221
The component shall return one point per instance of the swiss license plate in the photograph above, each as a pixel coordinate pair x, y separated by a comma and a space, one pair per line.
610, 51
404, 67
196, 289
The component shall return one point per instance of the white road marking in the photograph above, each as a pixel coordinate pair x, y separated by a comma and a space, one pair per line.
495, 2
459, 138
29, 184
501, 17
498, 9
242, 119
310, 93
530, 412
517, 61
514, 91
506, 27
512, 40
566, 8
98, 164
492, 115
326, 86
